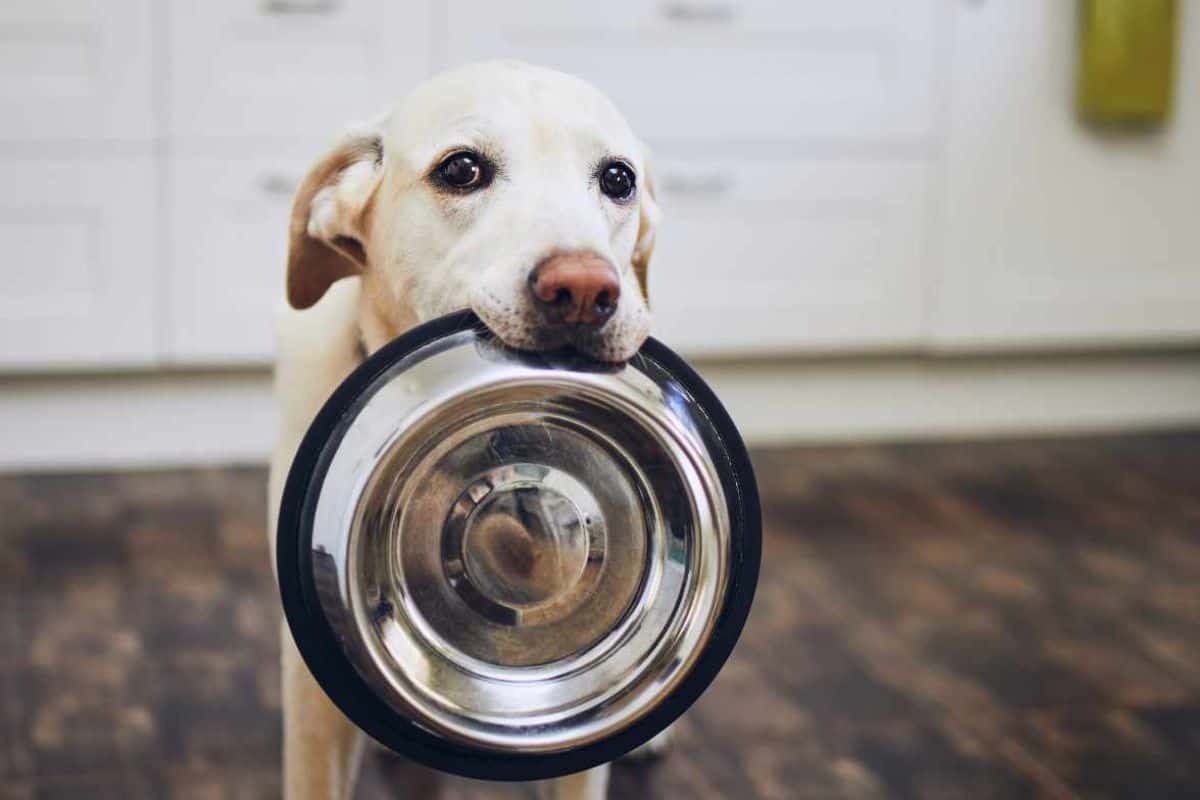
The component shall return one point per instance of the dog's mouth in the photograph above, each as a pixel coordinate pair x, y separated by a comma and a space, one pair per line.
594, 346
591, 344
615, 342
559, 346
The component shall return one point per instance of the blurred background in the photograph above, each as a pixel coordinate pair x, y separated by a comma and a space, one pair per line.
941, 259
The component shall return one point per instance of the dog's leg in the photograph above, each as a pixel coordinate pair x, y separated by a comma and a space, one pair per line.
321, 748
657, 747
401, 777
317, 348
590, 785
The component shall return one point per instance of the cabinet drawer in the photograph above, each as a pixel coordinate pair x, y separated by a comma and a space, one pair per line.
786, 256
73, 69
229, 221
79, 244
728, 69
291, 68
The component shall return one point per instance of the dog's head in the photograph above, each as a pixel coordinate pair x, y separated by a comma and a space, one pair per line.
513, 190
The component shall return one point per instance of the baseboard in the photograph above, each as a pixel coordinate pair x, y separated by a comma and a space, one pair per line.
135, 420
169, 419
959, 397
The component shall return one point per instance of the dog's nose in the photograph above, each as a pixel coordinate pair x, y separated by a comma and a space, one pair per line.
575, 289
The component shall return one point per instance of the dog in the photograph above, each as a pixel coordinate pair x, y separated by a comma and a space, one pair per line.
516, 191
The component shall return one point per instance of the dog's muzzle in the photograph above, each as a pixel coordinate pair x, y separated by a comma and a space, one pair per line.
517, 566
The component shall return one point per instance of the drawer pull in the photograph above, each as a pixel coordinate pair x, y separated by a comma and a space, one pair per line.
683, 11
277, 184
299, 6
712, 184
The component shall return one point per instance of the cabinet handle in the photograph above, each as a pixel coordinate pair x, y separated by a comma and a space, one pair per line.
277, 184
713, 184
298, 6
688, 11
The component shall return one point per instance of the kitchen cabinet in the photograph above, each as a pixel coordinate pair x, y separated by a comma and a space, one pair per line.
74, 70
1054, 234
80, 262
290, 69
228, 248
764, 256
834, 177
716, 72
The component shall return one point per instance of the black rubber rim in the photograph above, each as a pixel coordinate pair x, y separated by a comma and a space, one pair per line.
345, 687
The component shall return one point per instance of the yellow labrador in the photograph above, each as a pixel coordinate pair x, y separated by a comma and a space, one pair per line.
513, 190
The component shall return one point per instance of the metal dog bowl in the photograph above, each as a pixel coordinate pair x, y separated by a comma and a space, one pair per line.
515, 566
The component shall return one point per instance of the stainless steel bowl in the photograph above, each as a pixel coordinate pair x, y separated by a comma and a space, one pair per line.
511, 565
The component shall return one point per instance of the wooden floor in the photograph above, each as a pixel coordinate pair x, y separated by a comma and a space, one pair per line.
968, 620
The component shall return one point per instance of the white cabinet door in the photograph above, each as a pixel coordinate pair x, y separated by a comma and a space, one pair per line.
291, 68
716, 70
229, 220
75, 69
1054, 234
79, 241
763, 255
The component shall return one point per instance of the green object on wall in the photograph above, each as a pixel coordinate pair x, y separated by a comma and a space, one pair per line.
1127, 60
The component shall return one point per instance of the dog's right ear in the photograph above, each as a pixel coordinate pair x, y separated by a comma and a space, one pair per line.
329, 216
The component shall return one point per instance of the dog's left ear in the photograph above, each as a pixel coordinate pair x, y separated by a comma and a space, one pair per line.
329, 217
648, 215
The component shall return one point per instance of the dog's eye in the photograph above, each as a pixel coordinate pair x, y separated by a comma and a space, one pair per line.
463, 170
617, 181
